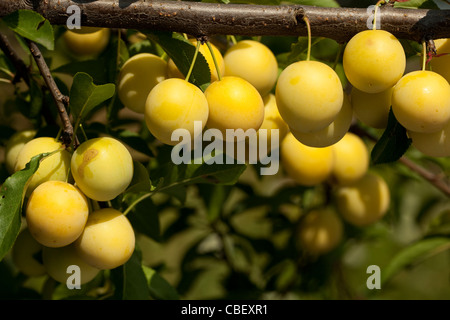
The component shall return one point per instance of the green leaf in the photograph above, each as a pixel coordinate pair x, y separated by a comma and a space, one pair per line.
36, 102
413, 254
214, 197
182, 53
144, 215
175, 176
85, 95
95, 68
173, 179
140, 181
130, 280
133, 140
5, 66
33, 26
393, 143
159, 288
141, 47
11, 200
115, 55
299, 48
416, 4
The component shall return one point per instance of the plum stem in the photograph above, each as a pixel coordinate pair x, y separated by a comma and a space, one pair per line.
193, 61
219, 76
424, 55
308, 26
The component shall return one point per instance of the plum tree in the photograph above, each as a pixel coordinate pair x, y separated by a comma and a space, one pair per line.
300, 97
421, 101
165, 112
102, 168
320, 231
306, 165
108, 239
146, 219
56, 213
53, 167
254, 62
374, 60
234, 104
137, 77
57, 261
364, 201
331, 134
24, 255
351, 159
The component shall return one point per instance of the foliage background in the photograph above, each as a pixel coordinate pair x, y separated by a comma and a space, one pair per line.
237, 239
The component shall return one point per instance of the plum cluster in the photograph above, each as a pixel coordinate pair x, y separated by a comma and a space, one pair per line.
63, 219
241, 81
375, 64
306, 102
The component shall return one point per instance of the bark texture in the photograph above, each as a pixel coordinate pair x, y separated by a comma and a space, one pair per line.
207, 19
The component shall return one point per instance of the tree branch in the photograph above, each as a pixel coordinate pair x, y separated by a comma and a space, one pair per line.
21, 68
58, 97
207, 19
437, 180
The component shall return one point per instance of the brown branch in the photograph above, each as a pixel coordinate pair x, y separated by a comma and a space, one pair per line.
208, 19
437, 180
58, 97
22, 71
